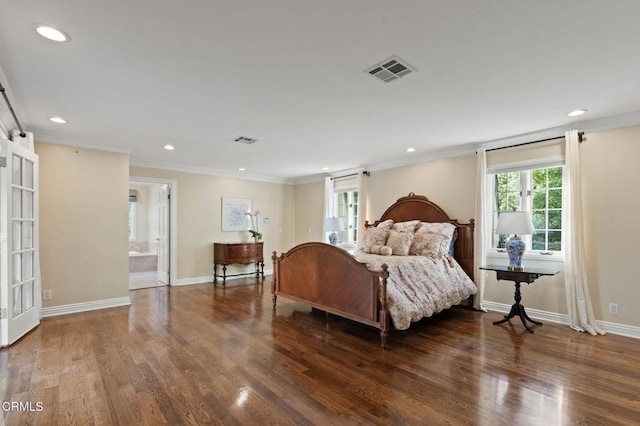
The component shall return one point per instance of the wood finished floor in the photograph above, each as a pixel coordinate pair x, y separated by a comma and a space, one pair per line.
204, 355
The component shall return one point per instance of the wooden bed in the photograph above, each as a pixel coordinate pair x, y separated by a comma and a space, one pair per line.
331, 279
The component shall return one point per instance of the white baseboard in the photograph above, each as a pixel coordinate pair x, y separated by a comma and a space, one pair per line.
209, 279
609, 327
84, 306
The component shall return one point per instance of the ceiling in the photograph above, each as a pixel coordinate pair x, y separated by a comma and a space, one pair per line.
138, 75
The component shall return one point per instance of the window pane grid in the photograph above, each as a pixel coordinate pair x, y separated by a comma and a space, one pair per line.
539, 191
347, 212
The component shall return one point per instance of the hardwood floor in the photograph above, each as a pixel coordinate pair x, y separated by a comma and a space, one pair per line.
204, 355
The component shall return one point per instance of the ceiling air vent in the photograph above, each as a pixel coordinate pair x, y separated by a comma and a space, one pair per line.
390, 69
245, 140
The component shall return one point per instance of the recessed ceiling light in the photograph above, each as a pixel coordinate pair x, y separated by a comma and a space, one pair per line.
242, 169
325, 168
58, 120
52, 33
410, 149
577, 112
169, 147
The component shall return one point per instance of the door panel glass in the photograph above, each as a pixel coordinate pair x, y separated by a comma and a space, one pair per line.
17, 203
27, 235
28, 174
17, 170
27, 264
17, 300
28, 205
17, 236
17, 268
27, 295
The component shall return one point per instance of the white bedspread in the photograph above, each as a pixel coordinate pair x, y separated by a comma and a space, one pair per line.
420, 286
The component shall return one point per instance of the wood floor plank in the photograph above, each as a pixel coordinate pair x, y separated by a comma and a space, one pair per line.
205, 355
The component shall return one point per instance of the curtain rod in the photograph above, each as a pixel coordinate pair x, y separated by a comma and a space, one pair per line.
15, 118
580, 134
352, 174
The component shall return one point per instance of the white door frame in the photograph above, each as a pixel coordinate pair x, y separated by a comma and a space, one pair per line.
173, 221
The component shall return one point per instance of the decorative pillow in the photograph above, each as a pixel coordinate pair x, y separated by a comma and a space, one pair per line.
374, 237
409, 226
387, 224
429, 244
381, 250
400, 242
445, 228
386, 251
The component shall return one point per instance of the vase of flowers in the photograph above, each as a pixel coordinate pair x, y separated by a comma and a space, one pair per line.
255, 233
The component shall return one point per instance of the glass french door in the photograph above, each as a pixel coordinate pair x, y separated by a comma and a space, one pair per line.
20, 300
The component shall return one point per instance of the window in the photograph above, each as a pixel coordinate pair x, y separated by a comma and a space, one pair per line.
346, 206
538, 191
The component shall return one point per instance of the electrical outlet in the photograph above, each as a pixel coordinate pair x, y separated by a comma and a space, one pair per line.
47, 294
613, 308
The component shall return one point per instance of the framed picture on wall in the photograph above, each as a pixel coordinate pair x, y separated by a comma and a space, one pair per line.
233, 213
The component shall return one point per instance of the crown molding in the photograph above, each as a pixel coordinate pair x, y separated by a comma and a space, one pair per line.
587, 126
154, 164
119, 150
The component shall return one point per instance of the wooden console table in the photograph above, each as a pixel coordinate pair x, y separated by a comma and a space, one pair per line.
236, 253
528, 276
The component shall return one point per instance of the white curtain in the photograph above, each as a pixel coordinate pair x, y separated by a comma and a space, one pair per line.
482, 225
363, 199
579, 306
328, 207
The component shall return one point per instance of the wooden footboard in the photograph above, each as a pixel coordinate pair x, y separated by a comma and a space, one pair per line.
329, 278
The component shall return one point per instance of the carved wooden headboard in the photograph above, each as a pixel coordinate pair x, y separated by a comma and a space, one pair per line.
418, 207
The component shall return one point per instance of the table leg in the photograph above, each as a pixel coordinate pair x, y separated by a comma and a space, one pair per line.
224, 276
518, 310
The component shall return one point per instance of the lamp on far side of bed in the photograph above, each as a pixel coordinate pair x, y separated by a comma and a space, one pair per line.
516, 223
332, 224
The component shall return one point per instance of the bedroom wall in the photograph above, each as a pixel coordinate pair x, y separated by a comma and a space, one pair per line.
199, 205
457, 196
309, 212
611, 205
450, 183
83, 226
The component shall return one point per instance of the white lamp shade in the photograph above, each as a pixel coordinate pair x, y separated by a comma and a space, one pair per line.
514, 223
332, 224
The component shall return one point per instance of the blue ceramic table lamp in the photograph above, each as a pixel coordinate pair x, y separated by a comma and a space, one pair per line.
516, 223
332, 224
